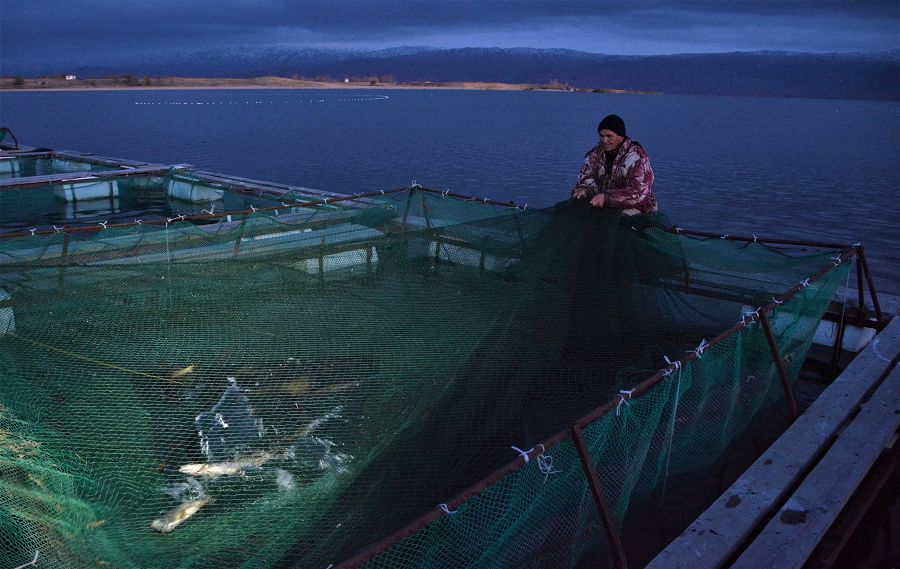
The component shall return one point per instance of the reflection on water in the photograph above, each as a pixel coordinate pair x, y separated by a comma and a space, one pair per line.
771, 167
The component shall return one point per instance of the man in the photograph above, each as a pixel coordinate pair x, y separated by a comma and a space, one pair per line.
616, 173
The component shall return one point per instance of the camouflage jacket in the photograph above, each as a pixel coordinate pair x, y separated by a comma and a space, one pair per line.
629, 184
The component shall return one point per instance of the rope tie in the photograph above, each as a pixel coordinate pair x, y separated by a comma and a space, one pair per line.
624, 396
700, 349
875, 349
676, 363
523, 453
447, 510
545, 464
804, 283
30, 563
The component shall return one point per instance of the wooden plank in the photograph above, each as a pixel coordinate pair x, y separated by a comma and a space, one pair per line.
718, 533
797, 528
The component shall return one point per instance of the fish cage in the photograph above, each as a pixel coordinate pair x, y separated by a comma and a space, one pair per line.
403, 378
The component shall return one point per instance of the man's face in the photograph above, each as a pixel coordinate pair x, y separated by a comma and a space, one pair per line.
610, 141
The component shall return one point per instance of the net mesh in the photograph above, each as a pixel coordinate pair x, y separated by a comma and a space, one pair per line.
284, 390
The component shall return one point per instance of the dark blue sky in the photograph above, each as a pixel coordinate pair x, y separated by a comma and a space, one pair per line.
48, 31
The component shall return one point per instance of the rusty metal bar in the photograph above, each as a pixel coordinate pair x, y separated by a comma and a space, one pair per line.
860, 293
225, 214
618, 550
383, 545
680, 231
862, 260
779, 365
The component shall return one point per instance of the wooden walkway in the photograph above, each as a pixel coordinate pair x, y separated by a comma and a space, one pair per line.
806, 477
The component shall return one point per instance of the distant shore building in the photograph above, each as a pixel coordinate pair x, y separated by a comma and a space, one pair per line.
71, 78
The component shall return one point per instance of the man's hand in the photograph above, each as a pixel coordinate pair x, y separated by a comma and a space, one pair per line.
599, 200
579, 193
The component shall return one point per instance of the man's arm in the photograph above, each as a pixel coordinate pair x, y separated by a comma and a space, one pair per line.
587, 178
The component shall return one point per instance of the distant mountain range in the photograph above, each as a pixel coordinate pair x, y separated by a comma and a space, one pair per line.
779, 74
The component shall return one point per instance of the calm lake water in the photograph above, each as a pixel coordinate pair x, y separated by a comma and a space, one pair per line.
825, 170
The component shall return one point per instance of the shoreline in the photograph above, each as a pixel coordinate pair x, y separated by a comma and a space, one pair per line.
8, 84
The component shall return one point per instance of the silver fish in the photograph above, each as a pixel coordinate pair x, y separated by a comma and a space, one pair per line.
230, 468
179, 515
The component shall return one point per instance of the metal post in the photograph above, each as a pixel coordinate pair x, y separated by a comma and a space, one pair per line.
618, 551
773, 347
862, 259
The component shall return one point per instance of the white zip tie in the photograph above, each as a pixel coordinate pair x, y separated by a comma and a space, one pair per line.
30, 563
138, 221
724, 236
857, 245
700, 349
837, 261
755, 238
677, 230
776, 301
382, 192
875, 349
523, 453
622, 399
58, 229
32, 230
525, 207
252, 209
208, 211
103, 223
447, 510
804, 283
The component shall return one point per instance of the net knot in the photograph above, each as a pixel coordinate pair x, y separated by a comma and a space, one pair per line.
700, 349
676, 364
545, 464
624, 396
523, 453
447, 510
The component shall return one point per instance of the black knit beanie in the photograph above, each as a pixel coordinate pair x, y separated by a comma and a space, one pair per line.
613, 123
